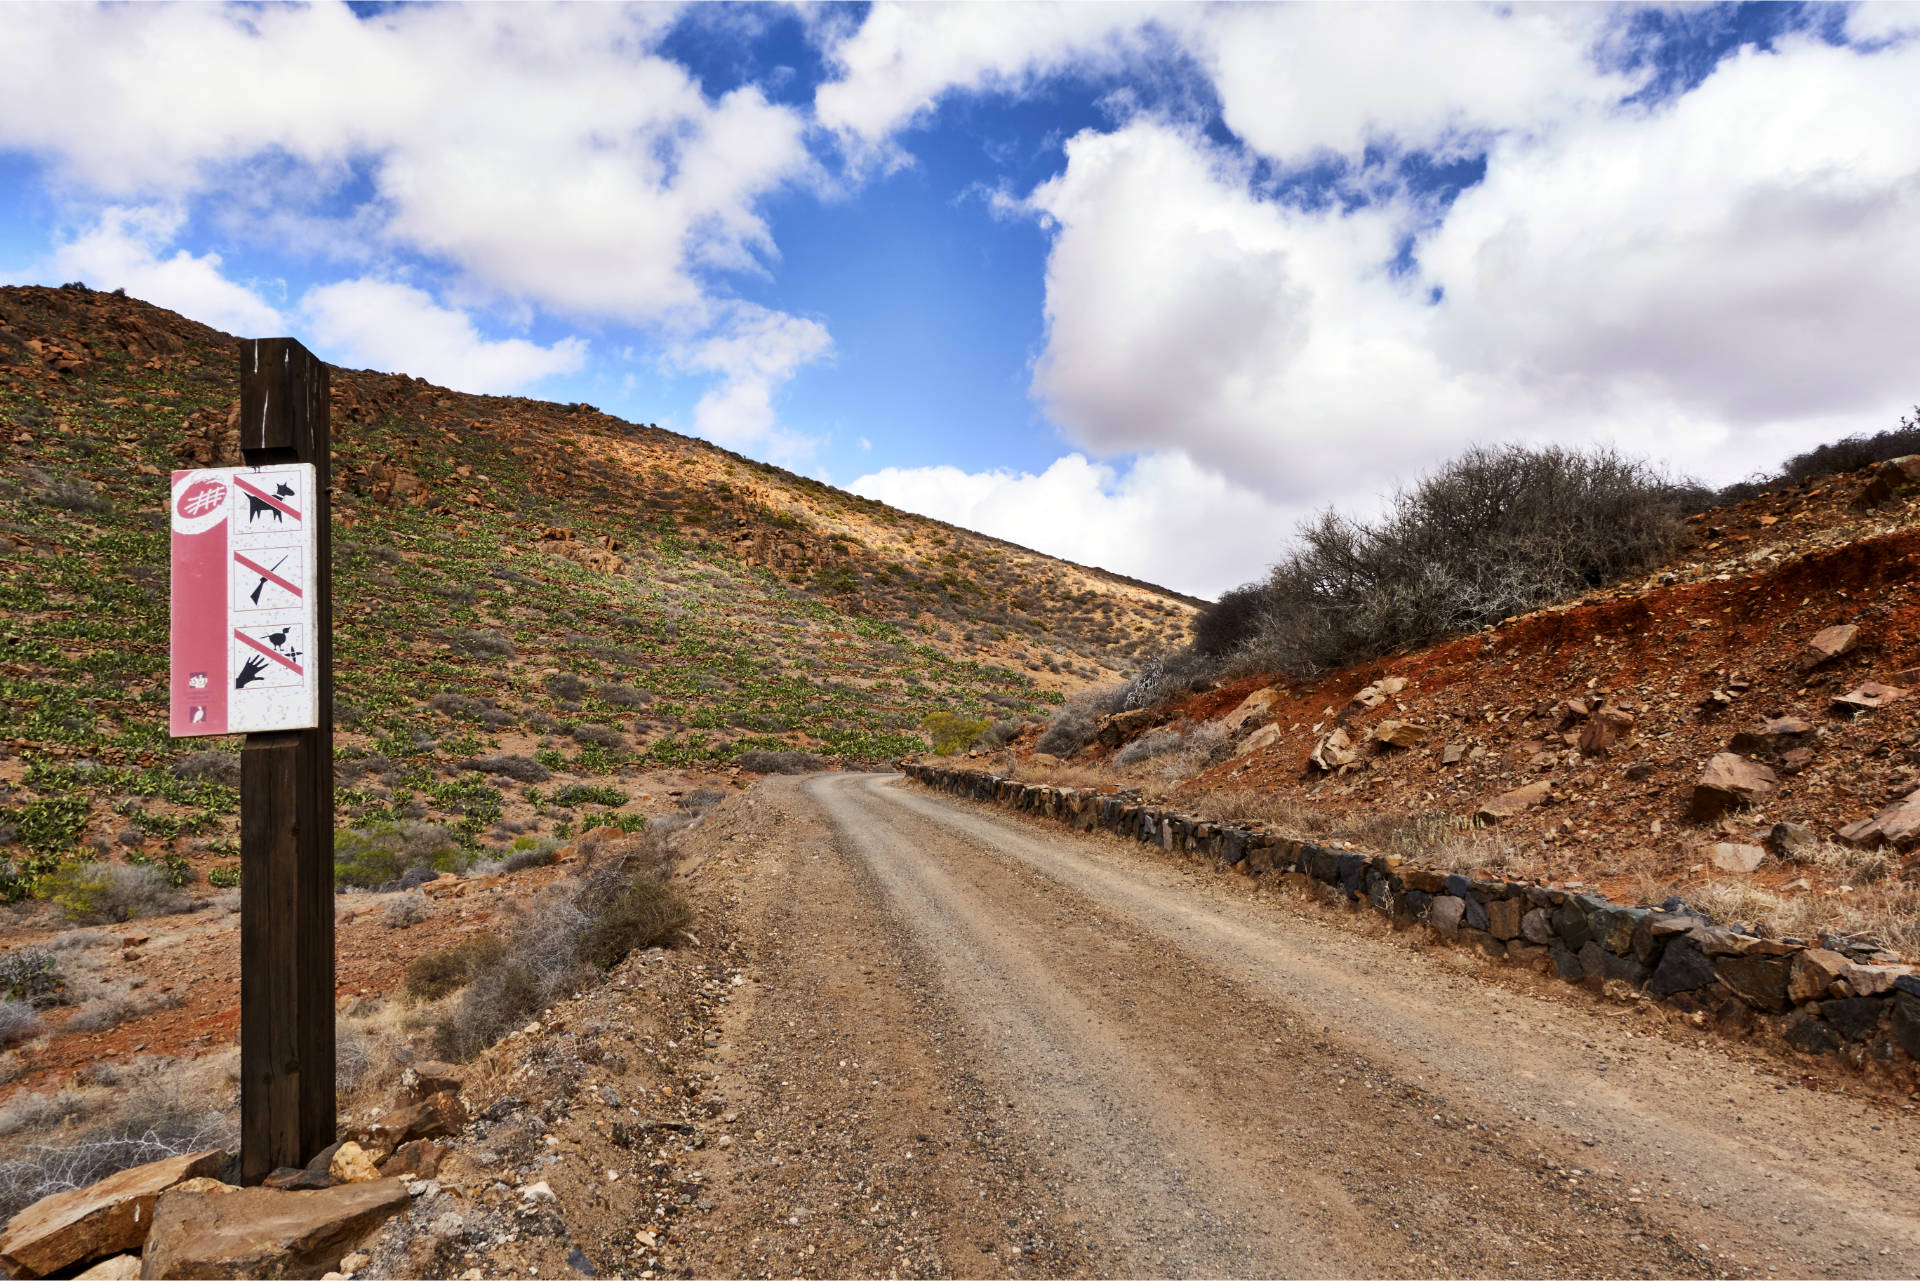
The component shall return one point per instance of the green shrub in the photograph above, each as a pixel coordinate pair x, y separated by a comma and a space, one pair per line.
618, 822
224, 877
590, 794
99, 893
950, 732
32, 975
370, 857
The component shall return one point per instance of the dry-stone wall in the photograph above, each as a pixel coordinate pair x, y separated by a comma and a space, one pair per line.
1827, 1000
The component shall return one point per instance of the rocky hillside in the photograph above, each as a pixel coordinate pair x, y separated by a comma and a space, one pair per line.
570, 600
1737, 728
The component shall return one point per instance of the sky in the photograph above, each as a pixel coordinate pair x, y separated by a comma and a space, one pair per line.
1139, 285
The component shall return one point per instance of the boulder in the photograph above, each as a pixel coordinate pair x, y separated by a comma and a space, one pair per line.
1760, 981
1333, 751
1874, 980
1731, 857
1380, 691
1503, 918
258, 1232
1789, 840
1730, 782
1605, 730
1250, 707
1812, 972
1392, 733
1830, 643
108, 1217
1895, 478
1508, 804
1867, 696
430, 1076
431, 1117
1897, 825
121, 1267
420, 1158
1118, 728
352, 1164
1446, 913
1265, 736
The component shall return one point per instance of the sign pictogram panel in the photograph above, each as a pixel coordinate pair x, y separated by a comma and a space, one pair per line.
243, 600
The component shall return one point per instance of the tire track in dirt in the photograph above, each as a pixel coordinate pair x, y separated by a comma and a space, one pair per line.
1615, 1155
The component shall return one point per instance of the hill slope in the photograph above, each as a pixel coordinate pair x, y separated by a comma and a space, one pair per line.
512, 577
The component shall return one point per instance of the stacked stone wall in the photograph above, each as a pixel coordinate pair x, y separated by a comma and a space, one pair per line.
1821, 1000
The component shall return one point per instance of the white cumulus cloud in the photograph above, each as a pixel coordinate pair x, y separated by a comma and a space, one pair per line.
379, 324
125, 248
755, 350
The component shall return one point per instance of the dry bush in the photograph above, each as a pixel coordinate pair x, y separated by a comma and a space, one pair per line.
98, 893
115, 1005
1847, 863
1075, 722
160, 1113
760, 761
18, 1022
1177, 753
1888, 910
1493, 533
1850, 453
405, 911
620, 902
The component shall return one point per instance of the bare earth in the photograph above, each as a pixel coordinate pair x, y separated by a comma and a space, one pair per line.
975, 1045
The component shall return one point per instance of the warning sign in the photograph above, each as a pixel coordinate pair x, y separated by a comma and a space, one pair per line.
243, 600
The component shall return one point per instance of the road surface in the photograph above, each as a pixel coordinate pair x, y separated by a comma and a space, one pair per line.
980, 1044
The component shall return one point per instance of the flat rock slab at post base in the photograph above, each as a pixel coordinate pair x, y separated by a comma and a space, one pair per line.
121, 1267
108, 1217
257, 1232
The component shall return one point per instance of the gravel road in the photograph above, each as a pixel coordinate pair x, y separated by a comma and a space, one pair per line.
975, 1044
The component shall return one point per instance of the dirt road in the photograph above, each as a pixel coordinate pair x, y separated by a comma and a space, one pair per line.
978, 1045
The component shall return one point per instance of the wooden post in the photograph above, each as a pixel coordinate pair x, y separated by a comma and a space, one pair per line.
286, 815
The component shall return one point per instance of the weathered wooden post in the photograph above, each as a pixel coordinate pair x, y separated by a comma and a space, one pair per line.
286, 813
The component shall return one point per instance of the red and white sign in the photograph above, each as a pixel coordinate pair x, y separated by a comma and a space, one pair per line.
243, 601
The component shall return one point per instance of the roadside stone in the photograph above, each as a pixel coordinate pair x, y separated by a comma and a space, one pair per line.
1682, 968
1731, 857
1503, 918
1812, 972
1534, 928
1760, 981
108, 1217
1855, 1016
1446, 913
292, 1179
1510, 804
1868, 696
1569, 922
1806, 1030
121, 1267
1906, 1021
1830, 643
1729, 782
1566, 963
257, 1232
1874, 980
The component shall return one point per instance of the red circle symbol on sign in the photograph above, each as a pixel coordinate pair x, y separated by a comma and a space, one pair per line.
200, 498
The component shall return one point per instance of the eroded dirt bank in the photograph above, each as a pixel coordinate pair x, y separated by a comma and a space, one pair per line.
942, 1040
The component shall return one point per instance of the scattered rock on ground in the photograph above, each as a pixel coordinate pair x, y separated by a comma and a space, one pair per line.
257, 1232
108, 1217
1729, 782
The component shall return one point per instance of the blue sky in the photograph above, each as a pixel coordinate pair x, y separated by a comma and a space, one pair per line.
1140, 285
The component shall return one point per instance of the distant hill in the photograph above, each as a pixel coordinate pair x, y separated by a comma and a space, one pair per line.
513, 577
